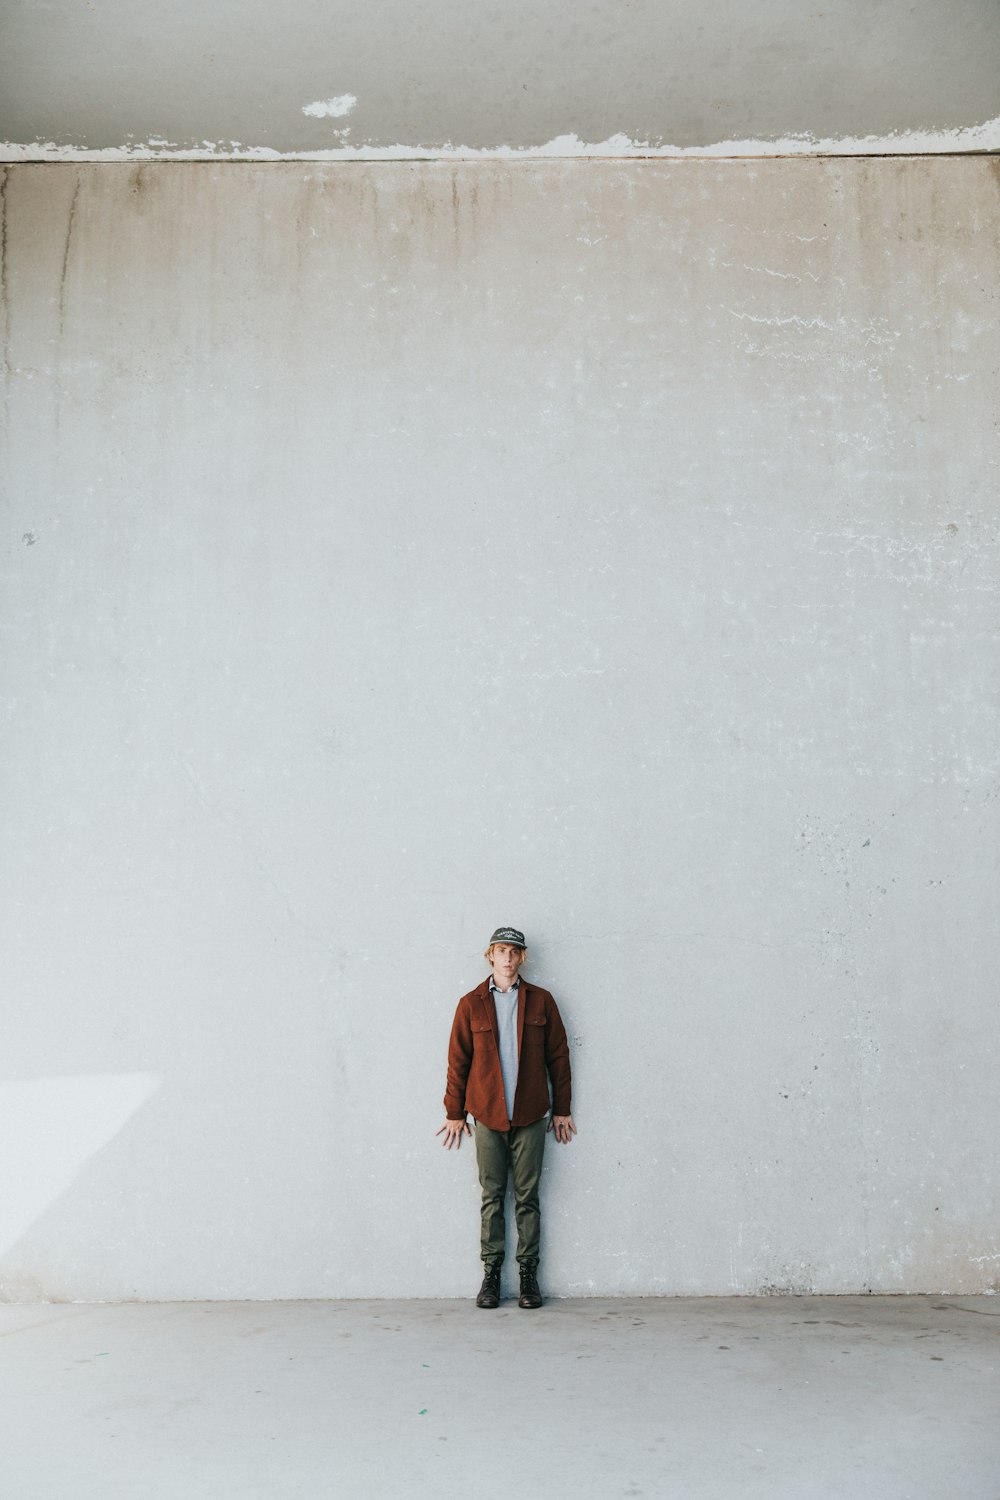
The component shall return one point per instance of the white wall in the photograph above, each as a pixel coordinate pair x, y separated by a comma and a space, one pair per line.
393, 551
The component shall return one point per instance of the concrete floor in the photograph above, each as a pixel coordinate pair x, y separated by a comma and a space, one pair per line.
707, 1399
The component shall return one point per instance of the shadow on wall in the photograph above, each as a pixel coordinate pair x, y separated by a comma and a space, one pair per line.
53, 1126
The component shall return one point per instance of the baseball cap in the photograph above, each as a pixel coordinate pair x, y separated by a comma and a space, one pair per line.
508, 935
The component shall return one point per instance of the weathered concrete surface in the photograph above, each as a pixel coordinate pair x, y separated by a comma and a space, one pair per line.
778, 1399
237, 75
391, 552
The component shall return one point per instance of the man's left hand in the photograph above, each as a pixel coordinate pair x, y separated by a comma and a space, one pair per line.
564, 1128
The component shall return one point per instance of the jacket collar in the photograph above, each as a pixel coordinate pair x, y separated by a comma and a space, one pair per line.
482, 991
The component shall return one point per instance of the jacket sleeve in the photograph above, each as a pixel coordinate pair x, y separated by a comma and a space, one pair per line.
459, 1062
557, 1061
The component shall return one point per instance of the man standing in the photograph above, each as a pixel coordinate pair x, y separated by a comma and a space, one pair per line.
507, 1042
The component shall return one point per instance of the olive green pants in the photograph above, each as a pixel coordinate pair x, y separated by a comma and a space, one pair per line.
513, 1153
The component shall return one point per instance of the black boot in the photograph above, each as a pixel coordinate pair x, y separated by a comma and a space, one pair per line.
530, 1295
489, 1292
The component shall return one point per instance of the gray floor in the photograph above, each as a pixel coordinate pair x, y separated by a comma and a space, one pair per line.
842, 1397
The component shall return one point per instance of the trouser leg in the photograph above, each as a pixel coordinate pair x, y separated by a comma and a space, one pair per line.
493, 1160
527, 1146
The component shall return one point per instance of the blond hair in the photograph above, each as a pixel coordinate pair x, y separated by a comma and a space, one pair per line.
488, 955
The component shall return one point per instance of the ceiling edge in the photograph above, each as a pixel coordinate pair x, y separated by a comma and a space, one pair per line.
968, 140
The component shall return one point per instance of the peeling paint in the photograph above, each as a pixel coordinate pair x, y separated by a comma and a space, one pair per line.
968, 139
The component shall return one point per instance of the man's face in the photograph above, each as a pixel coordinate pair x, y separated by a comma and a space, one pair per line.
505, 961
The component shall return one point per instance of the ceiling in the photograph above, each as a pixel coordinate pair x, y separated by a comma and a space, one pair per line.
114, 78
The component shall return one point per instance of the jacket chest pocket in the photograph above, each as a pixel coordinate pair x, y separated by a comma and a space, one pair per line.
482, 1038
534, 1032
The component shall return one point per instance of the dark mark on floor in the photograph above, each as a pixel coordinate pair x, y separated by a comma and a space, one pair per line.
979, 1311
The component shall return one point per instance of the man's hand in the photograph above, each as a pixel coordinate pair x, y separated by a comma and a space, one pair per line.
564, 1128
452, 1131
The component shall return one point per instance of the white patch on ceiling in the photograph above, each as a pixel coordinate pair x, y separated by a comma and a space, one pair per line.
342, 105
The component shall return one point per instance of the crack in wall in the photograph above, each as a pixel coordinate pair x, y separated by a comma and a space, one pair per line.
5, 291
65, 260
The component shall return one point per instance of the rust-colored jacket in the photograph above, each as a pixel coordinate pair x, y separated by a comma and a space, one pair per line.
475, 1082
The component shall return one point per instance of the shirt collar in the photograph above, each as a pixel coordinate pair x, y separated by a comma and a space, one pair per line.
493, 986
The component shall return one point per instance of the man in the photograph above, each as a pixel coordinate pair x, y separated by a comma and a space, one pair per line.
507, 1042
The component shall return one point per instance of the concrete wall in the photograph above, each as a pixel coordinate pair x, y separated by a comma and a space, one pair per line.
394, 551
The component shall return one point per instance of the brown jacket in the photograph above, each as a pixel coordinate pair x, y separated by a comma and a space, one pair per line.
475, 1082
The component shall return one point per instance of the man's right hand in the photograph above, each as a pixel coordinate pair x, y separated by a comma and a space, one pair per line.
452, 1131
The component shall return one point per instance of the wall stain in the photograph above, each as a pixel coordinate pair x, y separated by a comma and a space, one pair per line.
65, 260
4, 284
5, 365
994, 162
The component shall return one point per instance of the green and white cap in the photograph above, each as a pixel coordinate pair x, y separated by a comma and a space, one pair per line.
508, 935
